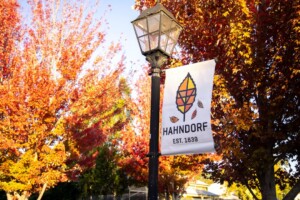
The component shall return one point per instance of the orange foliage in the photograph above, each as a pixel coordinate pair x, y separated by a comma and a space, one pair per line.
9, 29
59, 96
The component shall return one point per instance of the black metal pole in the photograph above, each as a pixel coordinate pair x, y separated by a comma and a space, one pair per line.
154, 128
156, 60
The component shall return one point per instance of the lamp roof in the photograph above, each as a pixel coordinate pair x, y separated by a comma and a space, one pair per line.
153, 10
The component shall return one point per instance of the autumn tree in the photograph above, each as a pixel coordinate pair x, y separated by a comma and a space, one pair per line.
255, 109
61, 93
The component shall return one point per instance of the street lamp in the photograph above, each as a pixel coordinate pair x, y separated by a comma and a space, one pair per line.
157, 32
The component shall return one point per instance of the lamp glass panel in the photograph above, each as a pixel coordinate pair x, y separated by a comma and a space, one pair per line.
175, 31
144, 43
163, 41
153, 22
141, 27
166, 22
154, 38
170, 46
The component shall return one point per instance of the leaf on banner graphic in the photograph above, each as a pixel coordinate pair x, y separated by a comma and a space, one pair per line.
200, 104
186, 95
194, 114
174, 119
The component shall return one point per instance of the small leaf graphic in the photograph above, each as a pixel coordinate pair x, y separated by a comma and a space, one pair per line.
194, 114
186, 95
174, 119
200, 104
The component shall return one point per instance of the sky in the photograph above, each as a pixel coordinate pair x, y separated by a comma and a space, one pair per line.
119, 16
119, 19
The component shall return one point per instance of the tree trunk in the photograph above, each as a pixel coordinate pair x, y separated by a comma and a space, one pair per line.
9, 196
174, 196
267, 181
12, 196
167, 194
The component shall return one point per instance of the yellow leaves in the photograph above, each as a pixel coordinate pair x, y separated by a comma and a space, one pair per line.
98, 59
20, 172
249, 61
246, 34
220, 88
244, 83
244, 117
52, 156
296, 71
278, 58
244, 7
243, 54
235, 118
225, 14
14, 186
235, 71
59, 128
240, 34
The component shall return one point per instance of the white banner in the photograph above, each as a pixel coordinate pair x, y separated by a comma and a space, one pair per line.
186, 127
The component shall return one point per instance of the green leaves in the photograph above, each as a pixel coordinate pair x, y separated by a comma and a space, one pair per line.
106, 177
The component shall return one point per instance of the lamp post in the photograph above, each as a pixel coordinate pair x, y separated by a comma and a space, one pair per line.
157, 32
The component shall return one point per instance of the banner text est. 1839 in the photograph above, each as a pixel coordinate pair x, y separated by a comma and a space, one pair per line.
185, 140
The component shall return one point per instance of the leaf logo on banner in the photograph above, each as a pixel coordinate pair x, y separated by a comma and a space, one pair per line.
174, 119
186, 95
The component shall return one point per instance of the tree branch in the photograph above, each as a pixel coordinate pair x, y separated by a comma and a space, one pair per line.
293, 192
245, 182
42, 192
250, 190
